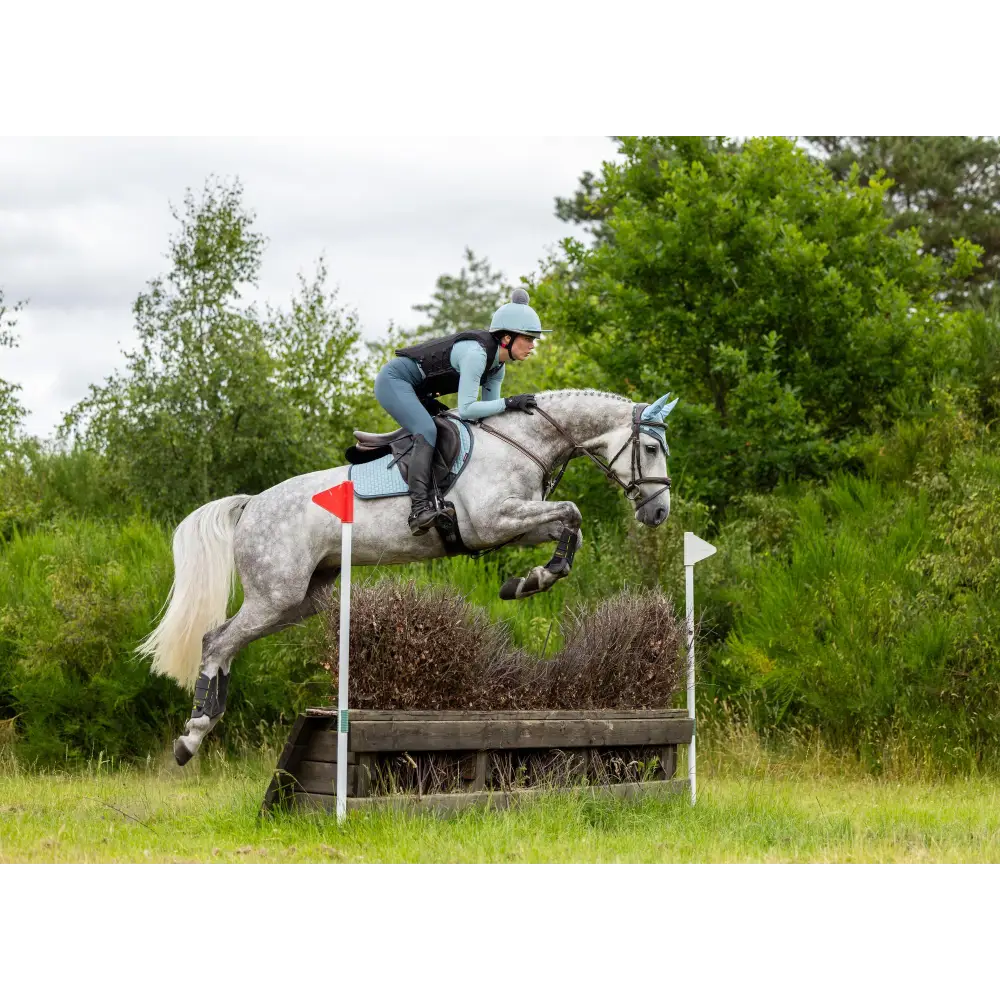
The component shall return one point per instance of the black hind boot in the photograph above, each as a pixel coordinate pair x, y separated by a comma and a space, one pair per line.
423, 509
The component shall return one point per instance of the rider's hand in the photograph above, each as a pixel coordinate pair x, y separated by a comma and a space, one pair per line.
525, 402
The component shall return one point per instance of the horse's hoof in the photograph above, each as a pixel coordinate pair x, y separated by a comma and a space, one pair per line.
508, 592
181, 753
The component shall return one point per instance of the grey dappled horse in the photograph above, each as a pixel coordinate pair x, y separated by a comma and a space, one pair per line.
286, 548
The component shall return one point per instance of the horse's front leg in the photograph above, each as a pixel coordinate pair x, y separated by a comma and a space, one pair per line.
533, 522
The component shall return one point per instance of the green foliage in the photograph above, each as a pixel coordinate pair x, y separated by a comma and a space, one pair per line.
77, 595
982, 370
75, 599
594, 200
945, 186
41, 482
770, 296
810, 340
11, 411
216, 399
868, 610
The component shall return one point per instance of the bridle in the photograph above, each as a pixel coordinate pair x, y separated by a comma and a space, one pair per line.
631, 488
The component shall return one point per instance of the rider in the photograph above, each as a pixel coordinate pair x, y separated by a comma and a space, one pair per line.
407, 385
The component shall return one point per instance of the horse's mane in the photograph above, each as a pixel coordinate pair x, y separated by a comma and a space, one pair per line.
586, 392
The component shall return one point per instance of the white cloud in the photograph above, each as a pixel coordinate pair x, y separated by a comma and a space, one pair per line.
84, 224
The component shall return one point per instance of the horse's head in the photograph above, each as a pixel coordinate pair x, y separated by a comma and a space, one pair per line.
638, 456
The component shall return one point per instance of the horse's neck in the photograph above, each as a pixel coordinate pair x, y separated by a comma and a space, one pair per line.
586, 417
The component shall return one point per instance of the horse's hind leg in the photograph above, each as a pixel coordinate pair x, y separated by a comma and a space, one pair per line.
254, 620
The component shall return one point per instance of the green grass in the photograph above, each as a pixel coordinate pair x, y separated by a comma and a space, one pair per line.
752, 806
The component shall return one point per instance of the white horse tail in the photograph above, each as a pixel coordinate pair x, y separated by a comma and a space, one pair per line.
204, 574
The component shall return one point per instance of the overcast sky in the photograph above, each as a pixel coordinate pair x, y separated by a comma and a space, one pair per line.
84, 223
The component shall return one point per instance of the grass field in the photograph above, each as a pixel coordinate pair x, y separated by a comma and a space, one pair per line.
752, 807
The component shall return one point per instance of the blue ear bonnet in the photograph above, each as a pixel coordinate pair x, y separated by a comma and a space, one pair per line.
658, 411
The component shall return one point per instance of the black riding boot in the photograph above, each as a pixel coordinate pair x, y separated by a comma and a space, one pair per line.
423, 510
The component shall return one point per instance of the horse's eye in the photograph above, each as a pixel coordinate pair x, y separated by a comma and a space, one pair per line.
650, 449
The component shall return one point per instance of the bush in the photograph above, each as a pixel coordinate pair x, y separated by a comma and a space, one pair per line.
75, 600
429, 649
876, 620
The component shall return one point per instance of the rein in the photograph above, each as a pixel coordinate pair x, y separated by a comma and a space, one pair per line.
631, 488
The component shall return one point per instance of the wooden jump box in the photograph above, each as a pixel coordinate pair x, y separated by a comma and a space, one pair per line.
447, 760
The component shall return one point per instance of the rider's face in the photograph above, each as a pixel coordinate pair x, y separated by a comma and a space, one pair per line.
520, 347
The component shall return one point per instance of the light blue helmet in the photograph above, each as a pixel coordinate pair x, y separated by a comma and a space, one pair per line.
517, 316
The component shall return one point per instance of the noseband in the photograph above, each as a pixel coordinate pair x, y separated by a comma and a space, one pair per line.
631, 488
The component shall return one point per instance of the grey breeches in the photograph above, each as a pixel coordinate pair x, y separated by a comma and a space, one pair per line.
395, 389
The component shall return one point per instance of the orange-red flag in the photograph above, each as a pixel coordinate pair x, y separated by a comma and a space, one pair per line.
339, 501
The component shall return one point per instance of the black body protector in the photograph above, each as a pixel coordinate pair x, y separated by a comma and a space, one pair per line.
434, 358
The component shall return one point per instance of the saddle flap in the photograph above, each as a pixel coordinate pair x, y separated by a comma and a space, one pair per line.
449, 444
366, 440
358, 455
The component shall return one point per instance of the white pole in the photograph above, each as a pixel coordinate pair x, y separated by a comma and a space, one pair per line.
345, 642
689, 609
695, 549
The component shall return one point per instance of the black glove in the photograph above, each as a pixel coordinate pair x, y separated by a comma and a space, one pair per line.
525, 402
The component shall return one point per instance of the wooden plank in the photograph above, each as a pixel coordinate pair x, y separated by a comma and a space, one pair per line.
316, 802
323, 746
369, 715
283, 780
452, 802
320, 776
668, 761
364, 774
366, 737
467, 767
481, 774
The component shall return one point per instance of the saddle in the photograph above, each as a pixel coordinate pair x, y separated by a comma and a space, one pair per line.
369, 447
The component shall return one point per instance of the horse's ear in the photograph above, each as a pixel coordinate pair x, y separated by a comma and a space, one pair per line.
660, 409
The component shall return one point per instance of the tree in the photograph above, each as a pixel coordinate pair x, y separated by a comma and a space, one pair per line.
594, 200
947, 186
463, 301
11, 411
217, 399
769, 295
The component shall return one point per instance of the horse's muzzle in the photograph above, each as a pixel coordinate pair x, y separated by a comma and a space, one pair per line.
654, 513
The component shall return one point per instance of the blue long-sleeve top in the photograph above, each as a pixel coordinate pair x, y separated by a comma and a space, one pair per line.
469, 359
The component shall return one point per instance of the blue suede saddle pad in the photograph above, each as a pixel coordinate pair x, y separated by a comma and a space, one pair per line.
381, 478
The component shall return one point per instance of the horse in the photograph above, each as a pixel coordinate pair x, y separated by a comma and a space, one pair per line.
286, 549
